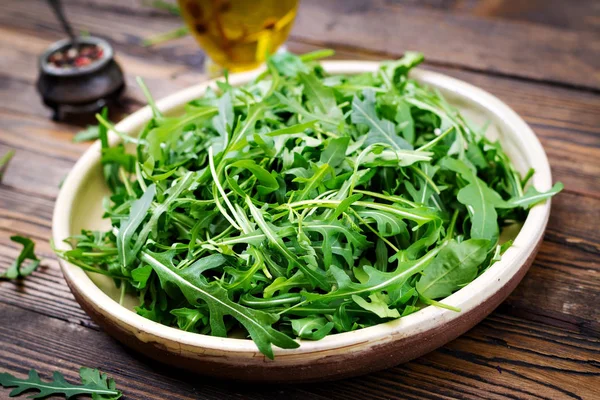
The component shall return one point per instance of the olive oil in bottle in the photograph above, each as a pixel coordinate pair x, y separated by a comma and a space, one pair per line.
238, 34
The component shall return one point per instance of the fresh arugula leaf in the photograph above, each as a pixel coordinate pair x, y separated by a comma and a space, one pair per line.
93, 383
377, 305
312, 328
381, 131
4, 160
481, 201
129, 226
17, 270
532, 196
87, 134
455, 266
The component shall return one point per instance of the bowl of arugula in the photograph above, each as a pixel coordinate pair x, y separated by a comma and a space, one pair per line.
309, 221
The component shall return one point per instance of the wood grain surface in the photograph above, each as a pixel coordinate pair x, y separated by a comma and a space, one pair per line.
540, 57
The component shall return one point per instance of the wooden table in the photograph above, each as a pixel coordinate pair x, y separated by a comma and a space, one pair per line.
540, 57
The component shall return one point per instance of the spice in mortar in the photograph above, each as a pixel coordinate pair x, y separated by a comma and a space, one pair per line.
76, 57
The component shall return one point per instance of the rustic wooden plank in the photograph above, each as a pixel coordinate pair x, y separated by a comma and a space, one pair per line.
575, 15
483, 44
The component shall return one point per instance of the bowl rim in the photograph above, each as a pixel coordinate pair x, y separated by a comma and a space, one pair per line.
467, 298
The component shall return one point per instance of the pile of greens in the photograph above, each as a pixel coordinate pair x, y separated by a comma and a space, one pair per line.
303, 204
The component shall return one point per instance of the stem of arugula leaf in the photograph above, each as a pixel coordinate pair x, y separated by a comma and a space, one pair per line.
124, 137
140, 178
393, 199
450, 231
438, 304
122, 297
426, 178
126, 182
396, 250
292, 307
436, 140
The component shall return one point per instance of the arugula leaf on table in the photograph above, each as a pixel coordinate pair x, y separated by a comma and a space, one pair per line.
4, 160
17, 270
93, 383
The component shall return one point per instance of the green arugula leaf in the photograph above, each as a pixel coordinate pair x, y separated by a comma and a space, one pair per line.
129, 226
312, 328
532, 196
377, 281
454, 266
314, 275
320, 97
187, 318
94, 383
4, 160
87, 134
17, 270
377, 305
335, 151
480, 200
380, 130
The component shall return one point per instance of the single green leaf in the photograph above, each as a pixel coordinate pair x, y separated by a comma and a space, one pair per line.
268, 183
84, 135
388, 224
312, 328
139, 211
94, 384
140, 276
532, 196
480, 200
320, 97
17, 270
454, 266
223, 121
380, 130
187, 318
377, 305
335, 151
398, 69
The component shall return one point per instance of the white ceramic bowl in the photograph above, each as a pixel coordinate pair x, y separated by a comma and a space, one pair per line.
79, 206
